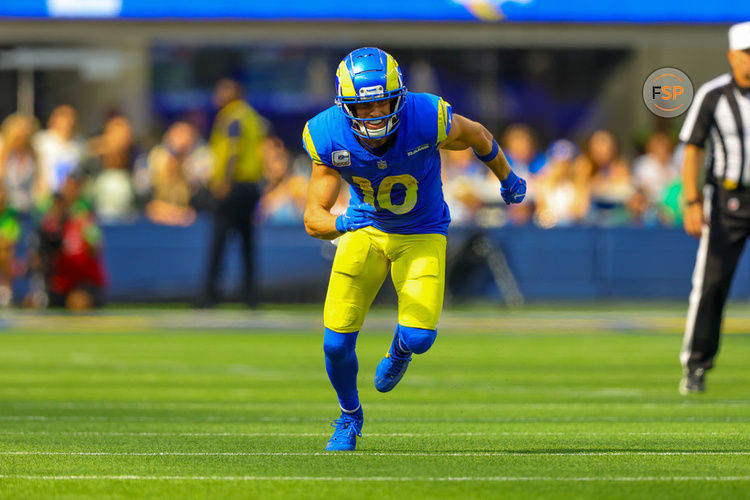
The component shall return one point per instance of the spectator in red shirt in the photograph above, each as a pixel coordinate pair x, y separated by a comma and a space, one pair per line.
70, 243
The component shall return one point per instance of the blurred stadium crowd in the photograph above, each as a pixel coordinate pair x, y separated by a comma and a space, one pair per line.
569, 184
57, 187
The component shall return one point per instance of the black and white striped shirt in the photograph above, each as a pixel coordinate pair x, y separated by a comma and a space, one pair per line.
721, 114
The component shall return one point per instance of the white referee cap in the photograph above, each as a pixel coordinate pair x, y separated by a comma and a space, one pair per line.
739, 36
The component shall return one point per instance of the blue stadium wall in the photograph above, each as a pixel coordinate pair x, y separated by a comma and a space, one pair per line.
151, 262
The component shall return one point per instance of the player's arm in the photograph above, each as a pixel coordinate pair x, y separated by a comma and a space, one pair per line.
322, 192
694, 133
223, 174
691, 167
465, 133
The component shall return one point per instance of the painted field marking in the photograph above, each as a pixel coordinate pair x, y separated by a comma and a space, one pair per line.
378, 478
229, 407
140, 418
371, 453
732, 435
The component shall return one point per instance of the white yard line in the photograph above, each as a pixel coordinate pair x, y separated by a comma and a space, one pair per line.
573, 434
231, 418
280, 404
377, 478
373, 453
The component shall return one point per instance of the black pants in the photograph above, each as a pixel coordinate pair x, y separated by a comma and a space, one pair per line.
233, 213
720, 248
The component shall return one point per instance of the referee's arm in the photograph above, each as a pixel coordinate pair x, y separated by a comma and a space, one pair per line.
694, 133
691, 167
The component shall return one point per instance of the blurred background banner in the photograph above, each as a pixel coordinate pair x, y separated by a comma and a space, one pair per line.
640, 11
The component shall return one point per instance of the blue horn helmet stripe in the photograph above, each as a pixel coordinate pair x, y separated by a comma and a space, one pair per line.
367, 75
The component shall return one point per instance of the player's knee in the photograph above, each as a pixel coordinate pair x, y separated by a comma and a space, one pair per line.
338, 346
342, 315
417, 340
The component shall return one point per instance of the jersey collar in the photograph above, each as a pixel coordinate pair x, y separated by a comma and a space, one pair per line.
380, 151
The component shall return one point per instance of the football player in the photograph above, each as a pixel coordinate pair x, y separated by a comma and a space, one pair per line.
383, 141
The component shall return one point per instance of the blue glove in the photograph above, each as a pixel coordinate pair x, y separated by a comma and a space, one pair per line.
355, 217
513, 189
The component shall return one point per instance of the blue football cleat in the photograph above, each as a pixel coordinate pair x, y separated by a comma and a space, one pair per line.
348, 428
391, 368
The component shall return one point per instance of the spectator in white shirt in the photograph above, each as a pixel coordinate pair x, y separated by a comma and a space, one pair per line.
60, 152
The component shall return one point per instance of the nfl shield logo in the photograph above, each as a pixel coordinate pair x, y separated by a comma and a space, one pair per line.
382, 165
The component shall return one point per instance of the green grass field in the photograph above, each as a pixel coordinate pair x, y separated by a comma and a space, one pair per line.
545, 402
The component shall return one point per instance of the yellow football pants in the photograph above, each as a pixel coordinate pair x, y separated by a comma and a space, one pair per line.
363, 257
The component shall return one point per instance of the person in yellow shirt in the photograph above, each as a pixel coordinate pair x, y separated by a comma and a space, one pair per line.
236, 144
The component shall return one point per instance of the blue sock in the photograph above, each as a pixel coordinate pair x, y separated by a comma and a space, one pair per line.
342, 367
358, 413
398, 346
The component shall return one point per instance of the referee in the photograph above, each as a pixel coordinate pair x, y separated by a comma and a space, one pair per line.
720, 215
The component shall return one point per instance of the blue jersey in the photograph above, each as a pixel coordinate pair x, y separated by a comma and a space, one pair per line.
404, 184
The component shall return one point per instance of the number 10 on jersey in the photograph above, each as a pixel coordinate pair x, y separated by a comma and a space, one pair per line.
384, 192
